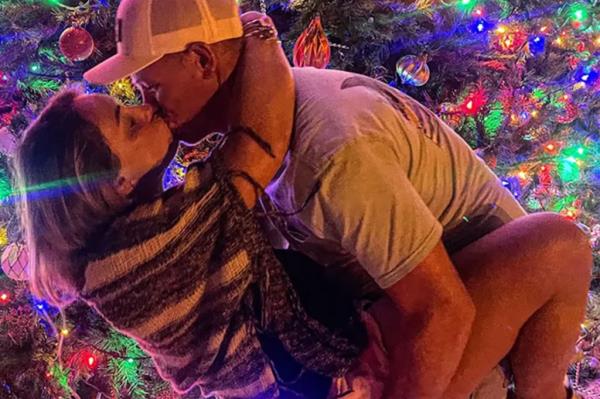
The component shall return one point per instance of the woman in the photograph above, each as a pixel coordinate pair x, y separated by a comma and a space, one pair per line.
188, 274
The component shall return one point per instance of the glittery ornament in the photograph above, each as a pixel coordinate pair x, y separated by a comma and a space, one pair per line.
413, 70
76, 43
124, 91
312, 47
185, 156
15, 262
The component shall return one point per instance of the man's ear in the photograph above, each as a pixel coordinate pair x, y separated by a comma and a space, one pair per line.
203, 57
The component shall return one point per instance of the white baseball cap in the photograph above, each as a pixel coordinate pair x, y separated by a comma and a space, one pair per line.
146, 30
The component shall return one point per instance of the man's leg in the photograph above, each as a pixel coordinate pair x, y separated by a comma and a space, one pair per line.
529, 281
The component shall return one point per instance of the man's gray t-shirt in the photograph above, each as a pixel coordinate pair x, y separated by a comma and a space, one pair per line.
379, 180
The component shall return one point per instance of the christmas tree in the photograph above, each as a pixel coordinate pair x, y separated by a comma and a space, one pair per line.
519, 80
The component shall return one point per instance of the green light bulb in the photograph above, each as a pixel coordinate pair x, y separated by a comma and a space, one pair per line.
466, 6
579, 12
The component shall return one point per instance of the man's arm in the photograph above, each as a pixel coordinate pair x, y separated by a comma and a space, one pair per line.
427, 331
368, 204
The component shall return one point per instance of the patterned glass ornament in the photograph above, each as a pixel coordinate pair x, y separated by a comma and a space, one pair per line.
76, 43
413, 70
312, 47
15, 262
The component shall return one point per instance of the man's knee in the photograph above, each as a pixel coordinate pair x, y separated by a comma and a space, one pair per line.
563, 239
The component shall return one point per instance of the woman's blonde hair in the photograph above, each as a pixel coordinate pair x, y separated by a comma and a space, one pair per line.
61, 169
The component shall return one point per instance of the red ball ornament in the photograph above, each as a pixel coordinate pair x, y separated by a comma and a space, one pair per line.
76, 43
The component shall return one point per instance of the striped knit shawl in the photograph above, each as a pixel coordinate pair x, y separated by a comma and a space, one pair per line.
192, 279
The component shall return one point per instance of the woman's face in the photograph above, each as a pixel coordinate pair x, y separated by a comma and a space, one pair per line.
138, 137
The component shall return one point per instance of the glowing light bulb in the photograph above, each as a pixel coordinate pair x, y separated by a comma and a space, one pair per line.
470, 105
64, 332
501, 29
91, 361
549, 147
4, 297
522, 175
535, 113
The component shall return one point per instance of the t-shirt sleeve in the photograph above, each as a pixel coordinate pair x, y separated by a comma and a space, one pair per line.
367, 203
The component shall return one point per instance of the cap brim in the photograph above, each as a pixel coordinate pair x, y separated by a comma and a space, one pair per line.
117, 67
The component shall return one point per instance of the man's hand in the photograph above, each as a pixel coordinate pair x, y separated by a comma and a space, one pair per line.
426, 328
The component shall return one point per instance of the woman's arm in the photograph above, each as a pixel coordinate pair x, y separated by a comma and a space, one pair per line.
266, 96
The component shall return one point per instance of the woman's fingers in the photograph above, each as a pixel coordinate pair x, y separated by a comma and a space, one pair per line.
259, 25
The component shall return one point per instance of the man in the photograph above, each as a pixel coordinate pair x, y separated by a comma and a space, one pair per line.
379, 191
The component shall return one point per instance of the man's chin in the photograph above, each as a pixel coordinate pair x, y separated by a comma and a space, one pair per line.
173, 124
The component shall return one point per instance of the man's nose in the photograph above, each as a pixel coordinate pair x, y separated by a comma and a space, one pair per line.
148, 97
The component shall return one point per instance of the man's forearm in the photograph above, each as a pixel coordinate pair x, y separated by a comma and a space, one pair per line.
427, 352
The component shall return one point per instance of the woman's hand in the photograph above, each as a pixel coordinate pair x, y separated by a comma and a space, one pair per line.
265, 93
